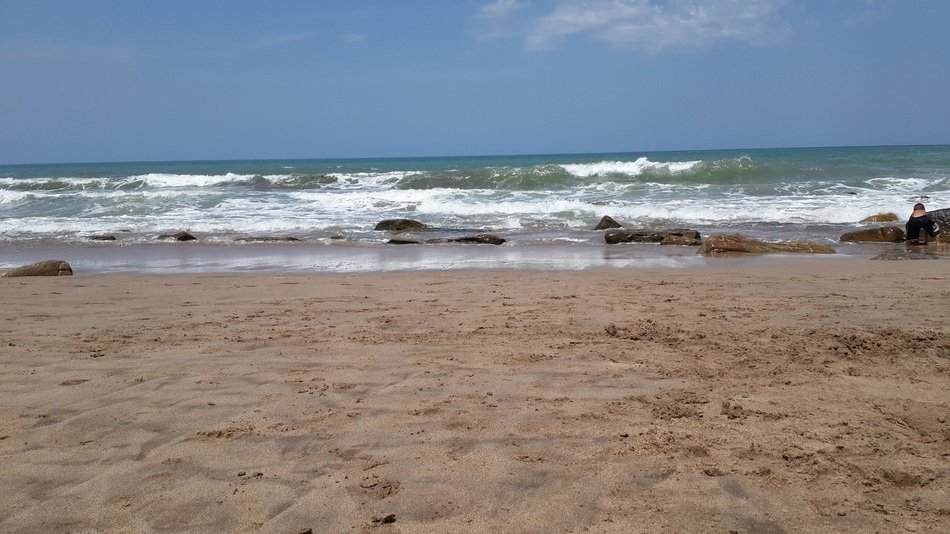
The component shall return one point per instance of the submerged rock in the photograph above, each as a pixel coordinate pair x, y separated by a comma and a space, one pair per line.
480, 239
41, 268
178, 236
882, 234
613, 237
606, 223
880, 217
723, 244
100, 237
682, 240
399, 225
267, 239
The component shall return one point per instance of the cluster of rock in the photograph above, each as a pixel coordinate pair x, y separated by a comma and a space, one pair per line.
714, 245
409, 225
720, 244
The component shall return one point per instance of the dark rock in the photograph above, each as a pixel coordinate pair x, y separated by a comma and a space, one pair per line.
480, 239
942, 218
612, 237
720, 244
682, 240
399, 225
178, 236
880, 217
41, 268
265, 239
391, 518
403, 242
882, 234
606, 223
101, 237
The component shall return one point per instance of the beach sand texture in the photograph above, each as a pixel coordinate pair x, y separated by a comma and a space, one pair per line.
808, 396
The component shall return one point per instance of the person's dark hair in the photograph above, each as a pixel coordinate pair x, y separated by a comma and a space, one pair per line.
918, 206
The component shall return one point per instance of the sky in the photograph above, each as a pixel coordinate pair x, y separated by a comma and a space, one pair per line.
135, 80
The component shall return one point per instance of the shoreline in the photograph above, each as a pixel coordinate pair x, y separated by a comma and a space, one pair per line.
303, 258
805, 395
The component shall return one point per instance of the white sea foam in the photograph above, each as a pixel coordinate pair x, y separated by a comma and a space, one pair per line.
189, 180
630, 168
12, 197
372, 179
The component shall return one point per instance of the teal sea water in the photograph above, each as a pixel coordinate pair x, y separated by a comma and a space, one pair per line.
532, 201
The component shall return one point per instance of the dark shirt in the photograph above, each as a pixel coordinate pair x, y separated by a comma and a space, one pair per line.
916, 224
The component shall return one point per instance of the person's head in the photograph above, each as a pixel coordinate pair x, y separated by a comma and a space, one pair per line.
919, 207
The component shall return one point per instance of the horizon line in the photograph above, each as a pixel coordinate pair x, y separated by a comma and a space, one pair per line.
451, 156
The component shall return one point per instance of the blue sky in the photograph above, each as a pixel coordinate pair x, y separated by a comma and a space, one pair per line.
135, 80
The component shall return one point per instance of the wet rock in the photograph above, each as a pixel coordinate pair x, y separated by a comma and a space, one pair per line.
723, 244
942, 218
480, 239
399, 225
101, 237
606, 223
880, 217
682, 240
882, 234
403, 242
613, 237
42, 268
178, 236
266, 239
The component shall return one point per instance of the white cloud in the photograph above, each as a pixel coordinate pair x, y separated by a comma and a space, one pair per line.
502, 8
655, 26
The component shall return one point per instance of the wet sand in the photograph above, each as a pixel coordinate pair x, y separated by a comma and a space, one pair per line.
800, 396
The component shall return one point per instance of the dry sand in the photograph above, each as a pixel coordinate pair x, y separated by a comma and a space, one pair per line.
808, 396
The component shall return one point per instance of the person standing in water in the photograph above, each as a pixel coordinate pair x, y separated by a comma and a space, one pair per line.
920, 226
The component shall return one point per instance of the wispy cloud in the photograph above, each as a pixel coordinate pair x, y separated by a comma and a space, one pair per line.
652, 25
502, 8
280, 39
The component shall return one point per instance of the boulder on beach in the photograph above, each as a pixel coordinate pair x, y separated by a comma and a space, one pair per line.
613, 237
178, 236
101, 237
42, 268
880, 217
882, 234
399, 225
606, 223
403, 242
725, 244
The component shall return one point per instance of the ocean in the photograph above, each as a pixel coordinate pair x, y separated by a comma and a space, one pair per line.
544, 206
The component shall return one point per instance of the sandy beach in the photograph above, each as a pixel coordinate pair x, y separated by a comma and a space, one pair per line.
807, 395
